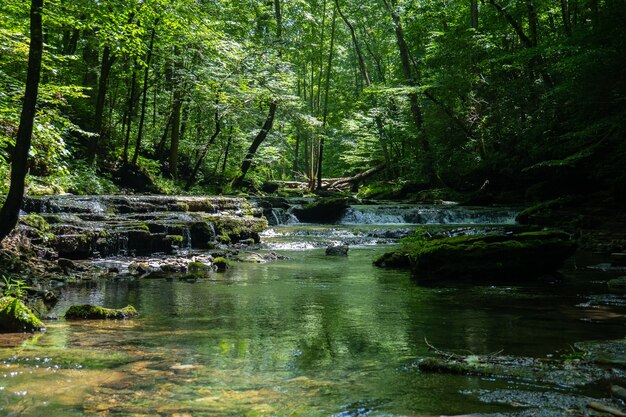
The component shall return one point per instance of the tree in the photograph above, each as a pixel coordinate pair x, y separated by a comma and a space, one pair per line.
9, 214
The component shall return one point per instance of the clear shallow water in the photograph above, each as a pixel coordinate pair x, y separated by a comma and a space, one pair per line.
308, 336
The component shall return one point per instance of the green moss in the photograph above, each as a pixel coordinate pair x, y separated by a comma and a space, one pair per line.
198, 266
484, 257
221, 264
16, 317
617, 284
87, 311
35, 221
174, 239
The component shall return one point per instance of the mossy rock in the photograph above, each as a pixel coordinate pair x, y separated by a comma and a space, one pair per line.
324, 210
16, 317
198, 266
487, 257
618, 284
90, 312
221, 264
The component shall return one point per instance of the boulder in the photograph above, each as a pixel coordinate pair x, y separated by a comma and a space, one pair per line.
487, 257
324, 210
90, 312
16, 317
337, 250
221, 264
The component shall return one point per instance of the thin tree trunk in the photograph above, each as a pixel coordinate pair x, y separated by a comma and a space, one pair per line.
228, 142
357, 48
474, 13
144, 99
318, 100
196, 168
129, 115
329, 67
279, 20
532, 22
10, 212
567, 25
429, 170
260, 137
175, 138
103, 82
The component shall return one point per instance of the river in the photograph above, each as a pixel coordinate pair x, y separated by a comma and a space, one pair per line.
311, 335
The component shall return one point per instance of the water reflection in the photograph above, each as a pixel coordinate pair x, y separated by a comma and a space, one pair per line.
308, 336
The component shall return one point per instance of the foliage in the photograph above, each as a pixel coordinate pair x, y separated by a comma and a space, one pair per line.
15, 288
496, 102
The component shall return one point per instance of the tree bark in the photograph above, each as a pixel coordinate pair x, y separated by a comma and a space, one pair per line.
144, 99
532, 22
424, 142
474, 13
103, 82
196, 168
9, 214
129, 115
329, 66
567, 24
260, 137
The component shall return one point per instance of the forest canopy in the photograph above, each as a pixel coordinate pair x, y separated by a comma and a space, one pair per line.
207, 96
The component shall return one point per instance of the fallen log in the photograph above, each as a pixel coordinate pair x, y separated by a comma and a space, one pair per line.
355, 180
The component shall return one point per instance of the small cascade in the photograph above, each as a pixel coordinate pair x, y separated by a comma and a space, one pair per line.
426, 214
281, 216
102, 226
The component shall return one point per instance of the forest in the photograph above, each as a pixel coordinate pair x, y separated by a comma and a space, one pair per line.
443, 94
313, 208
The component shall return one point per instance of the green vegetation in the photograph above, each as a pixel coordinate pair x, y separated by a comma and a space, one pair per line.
15, 317
91, 312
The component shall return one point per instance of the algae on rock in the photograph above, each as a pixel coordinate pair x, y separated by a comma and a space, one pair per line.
490, 256
87, 311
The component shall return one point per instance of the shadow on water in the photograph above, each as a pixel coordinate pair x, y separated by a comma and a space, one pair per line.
308, 336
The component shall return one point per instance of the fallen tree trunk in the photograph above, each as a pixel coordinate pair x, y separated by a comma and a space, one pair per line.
355, 180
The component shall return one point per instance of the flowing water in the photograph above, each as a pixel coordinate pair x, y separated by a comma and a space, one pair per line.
308, 336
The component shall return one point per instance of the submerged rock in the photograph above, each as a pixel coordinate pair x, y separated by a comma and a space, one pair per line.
491, 256
16, 317
87, 311
337, 250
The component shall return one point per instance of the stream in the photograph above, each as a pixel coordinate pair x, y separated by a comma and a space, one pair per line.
310, 335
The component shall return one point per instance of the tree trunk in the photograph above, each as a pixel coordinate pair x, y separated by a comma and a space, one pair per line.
129, 115
567, 25
144, 98
532, 22
474, 13
279, 20
196, 168
260, 137
9, 214
357, 49
175, 138
329, 67
416, 111
228, 142
103, 82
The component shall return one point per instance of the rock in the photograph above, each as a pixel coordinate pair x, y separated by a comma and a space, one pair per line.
139, 268
487, 257
617, 284
87, 311
221, 264
324, 210
618, 392
16, 317
337, 250
66, 263
198, 266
